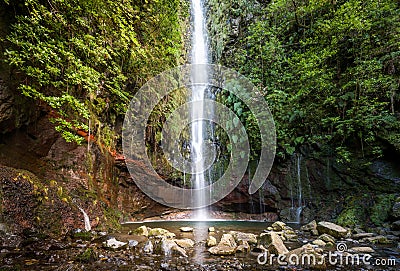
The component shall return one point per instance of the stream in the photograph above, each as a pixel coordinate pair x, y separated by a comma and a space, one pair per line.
86, 251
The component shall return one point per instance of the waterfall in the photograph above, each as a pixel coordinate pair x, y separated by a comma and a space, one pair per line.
296, 192
86, 219
300, 190
199, 55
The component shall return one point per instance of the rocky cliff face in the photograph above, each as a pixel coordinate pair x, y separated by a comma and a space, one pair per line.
44, 178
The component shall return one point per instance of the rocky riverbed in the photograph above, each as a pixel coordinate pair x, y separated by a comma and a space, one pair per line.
206, 246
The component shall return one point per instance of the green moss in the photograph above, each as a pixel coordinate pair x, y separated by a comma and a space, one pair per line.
87, 256
355, 212
87, 236
364, 209
381, 210
112, 217
350, 217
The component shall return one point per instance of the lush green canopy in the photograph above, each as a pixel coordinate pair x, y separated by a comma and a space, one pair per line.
86, 58
330, 70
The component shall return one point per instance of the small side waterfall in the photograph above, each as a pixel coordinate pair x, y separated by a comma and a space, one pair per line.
86, 219
296, 190
300, 190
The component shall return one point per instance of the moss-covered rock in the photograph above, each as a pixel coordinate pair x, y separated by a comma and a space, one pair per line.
396, 209
161, 232
89, 255
382, 208
355, 213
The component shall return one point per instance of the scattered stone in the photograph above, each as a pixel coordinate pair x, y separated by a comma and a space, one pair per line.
380, 239
305, 252
186, 229
362, 235
148, 247
211, 229
396, 210
161, 233
211, 241
358, 231
382, 230
169, 247
273, 243
227, 240
310, 226
395, 233
314, 232
141, 231
243, 246
289, 231
132, 243
319, 243
362, 250
329, 245
184, 243
291, 237
331, 229
327, 238
396, 225
222, 250
114, 244
259, 249
392, 237
270, 229
278, 226
241, 236
227, 246
180, 251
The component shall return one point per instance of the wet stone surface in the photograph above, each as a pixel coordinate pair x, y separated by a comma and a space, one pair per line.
167, 252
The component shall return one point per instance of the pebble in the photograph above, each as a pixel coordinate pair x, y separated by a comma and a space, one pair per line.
132, 243
186, 229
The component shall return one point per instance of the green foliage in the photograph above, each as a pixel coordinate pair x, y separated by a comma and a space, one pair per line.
362, 209
355, 213
86, 58
381, 210
89, 255
350, 218
329, 70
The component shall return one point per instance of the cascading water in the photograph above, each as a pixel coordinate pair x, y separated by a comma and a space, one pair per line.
296, 192
199, 55
86, 219
300, 190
